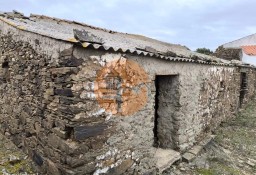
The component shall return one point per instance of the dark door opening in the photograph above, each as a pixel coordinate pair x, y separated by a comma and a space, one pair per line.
166, 104
156, 144
243, 88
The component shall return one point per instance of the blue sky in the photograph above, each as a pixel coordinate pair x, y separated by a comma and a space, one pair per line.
194, 23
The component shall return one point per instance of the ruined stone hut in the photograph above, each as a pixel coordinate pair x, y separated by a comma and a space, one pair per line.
84, 100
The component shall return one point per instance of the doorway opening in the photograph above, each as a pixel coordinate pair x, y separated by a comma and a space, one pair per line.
166, 106
243, 88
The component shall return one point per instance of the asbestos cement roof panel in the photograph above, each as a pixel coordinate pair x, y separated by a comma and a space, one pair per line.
105, 39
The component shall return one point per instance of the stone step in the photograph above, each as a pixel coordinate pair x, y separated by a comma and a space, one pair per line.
165, 158
191, 154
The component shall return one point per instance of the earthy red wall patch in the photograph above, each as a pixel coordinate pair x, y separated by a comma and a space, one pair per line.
120, 87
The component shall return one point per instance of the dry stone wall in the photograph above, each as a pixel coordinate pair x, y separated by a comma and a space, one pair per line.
229, 53
219, 95
85, 111
250, 84
208, 95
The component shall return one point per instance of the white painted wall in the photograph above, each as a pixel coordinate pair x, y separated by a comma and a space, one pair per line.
249, 59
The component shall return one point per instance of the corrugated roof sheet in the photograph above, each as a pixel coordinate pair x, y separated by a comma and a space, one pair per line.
97, 38
249, 50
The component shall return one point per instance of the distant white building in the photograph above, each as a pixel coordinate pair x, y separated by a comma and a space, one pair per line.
244, 49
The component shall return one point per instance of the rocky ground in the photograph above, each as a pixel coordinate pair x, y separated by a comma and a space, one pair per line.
12, 160
232, 152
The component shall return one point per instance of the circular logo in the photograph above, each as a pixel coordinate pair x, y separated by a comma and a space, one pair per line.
120, 87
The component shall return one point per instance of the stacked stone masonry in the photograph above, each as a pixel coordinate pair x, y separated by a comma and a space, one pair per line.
229, 53
58, 106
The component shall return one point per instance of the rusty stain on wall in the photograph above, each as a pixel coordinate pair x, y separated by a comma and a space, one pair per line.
120, 87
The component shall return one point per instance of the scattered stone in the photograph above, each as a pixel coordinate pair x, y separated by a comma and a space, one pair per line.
182, 169
52, 168
121, 168
250, 163
14, 159
188, 157
196, 149
165, 158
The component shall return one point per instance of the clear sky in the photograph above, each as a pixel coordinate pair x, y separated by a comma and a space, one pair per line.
194, 23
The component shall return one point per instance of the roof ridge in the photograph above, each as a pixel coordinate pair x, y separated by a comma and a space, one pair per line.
238, 39
82, 24
72, 22
113, 42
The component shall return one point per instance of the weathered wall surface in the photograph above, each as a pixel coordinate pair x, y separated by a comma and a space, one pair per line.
229, 53
218, 97
250, 84
234, 54
83, 111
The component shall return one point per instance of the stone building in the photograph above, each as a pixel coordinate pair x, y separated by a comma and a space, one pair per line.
84, 100
243, 49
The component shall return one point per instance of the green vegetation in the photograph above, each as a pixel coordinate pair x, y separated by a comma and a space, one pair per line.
234, 146
204, 51
232, 152
17, 167
206, 171
12, 160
